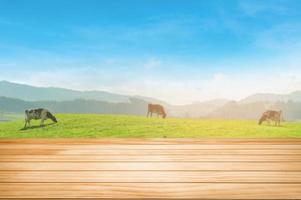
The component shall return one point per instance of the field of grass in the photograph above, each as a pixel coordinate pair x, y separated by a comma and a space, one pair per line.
101, 126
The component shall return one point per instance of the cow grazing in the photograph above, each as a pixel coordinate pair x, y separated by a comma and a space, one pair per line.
156, 108
271, 115
39, 113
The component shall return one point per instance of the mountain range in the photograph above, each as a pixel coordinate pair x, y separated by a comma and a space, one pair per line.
266, 97
32, 93
16, 98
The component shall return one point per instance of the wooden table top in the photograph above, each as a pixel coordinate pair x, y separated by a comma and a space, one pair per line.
150, 168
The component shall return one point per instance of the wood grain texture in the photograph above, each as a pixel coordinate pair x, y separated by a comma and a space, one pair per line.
180, 146
150, 176
150, 168
152, 158
67, 151
151, 190
134, 141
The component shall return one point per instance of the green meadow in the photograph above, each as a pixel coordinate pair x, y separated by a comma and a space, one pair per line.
120, 126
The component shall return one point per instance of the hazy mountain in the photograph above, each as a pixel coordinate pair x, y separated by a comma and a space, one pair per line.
14, 105
235, 110
197, 109
230, 110
291, 110
18, 97
133, 107
265, 97
32, 93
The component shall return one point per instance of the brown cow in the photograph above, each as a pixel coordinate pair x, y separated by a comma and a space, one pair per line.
271, 115
156, 108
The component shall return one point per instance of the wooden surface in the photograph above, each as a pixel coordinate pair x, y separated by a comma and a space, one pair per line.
150, 168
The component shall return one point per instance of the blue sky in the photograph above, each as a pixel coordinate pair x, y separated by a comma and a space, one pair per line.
175, 50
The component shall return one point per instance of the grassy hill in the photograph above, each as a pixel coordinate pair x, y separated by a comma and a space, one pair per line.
100, 126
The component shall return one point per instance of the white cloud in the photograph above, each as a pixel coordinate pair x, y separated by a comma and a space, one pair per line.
152, 63
178, 85
219, 76
252, 7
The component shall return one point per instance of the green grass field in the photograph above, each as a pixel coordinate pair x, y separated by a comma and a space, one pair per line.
104, 126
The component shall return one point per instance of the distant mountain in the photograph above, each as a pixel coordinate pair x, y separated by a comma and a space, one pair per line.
230, 110
217, 102
266, 97
151, 100
14, 105
32, 93
197, 109
133, 107
16, 98
234, 110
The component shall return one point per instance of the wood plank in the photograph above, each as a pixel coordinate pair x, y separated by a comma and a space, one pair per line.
222, 166
149, 146
152, 141
151, 190
151, 168
151, 158
149, 176
71, 151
